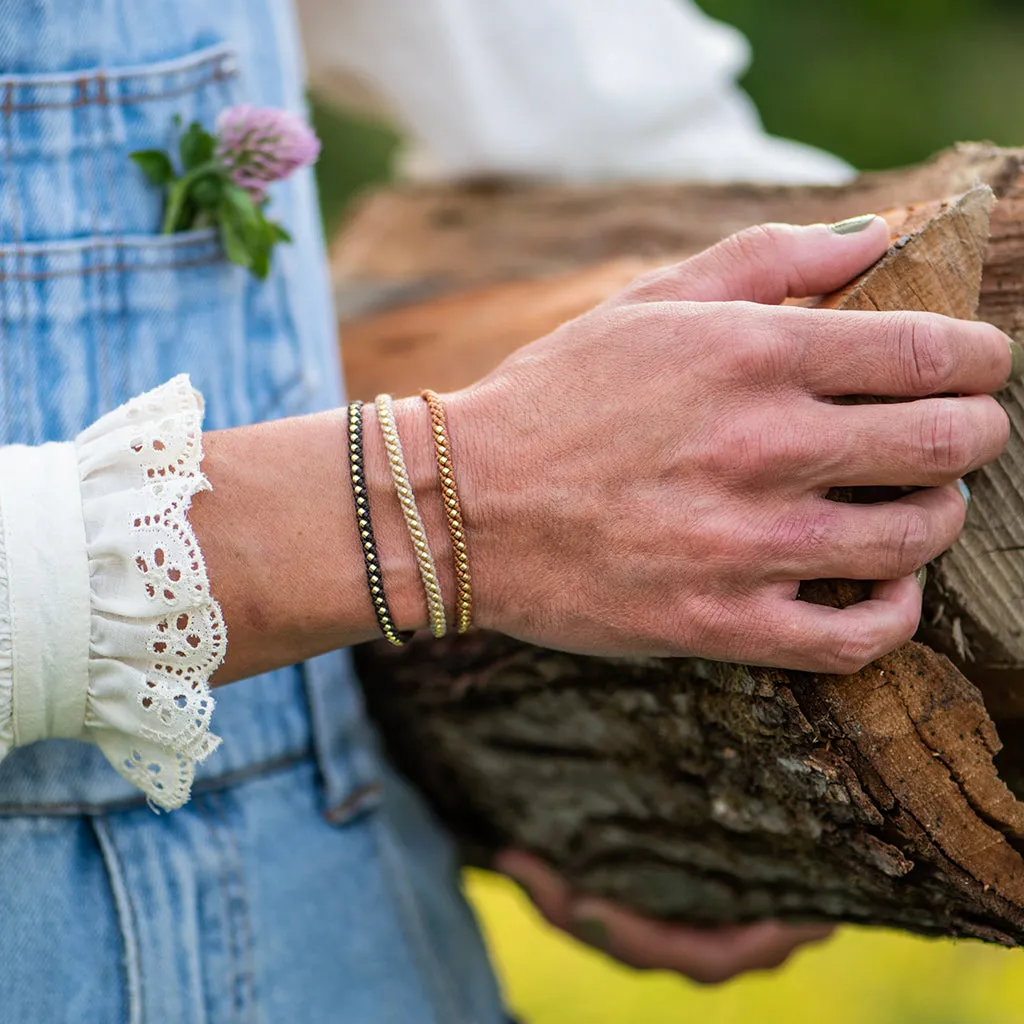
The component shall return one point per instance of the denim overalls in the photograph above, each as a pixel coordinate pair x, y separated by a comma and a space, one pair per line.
303, 882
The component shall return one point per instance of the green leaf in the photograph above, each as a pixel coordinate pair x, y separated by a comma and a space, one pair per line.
245, 230
242, 205
280, 235
196, 146
232, 240
155, 164
261, 260
208, 191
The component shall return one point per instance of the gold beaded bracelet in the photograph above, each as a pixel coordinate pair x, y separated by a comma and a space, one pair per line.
374, 577
452, 511
406, 498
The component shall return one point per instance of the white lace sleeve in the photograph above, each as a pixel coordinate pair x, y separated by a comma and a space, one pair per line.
108, 631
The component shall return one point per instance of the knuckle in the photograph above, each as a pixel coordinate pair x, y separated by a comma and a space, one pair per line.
755, 250
851, 654
926, 354
904, 544
652, 285
945, 440
761, 357
803, 537
754, 245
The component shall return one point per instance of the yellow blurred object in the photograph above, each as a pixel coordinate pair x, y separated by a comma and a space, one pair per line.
860, 977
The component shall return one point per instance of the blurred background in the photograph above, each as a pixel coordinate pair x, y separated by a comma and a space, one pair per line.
881, 83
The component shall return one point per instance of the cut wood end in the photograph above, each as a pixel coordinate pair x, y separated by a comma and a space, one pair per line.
934, 264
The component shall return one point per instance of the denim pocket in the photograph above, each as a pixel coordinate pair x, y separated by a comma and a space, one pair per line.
65, 140
86, 324
95, 308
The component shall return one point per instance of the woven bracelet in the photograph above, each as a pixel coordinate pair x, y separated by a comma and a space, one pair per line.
406, 498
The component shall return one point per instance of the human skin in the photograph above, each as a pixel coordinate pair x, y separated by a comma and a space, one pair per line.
648, 479
651, 479
706, 955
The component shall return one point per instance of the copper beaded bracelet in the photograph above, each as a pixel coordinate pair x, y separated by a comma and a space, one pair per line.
374, 577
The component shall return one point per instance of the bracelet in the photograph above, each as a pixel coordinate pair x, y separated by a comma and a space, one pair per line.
406, 498
452, 511
373, 573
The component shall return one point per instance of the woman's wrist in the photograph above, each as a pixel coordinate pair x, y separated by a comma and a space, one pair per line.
481, 431
279, 533
476, 444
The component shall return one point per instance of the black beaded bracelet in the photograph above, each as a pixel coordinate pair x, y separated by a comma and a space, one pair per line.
374, 576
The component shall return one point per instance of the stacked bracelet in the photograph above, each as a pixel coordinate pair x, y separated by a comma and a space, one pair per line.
418, 535
373, 573
452, 510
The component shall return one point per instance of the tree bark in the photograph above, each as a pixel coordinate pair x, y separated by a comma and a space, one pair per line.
715, 793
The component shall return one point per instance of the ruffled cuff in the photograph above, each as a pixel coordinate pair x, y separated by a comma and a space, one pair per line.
108, 631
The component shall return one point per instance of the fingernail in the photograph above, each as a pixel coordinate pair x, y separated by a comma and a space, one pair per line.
1016, 361
965, 492
590, 930
921, 576
852, 225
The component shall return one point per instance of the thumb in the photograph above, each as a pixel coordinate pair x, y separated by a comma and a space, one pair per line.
771, 262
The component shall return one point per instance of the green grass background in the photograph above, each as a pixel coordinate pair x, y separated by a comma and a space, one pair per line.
881, 83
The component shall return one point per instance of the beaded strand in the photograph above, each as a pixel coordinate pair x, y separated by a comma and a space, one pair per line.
374, 577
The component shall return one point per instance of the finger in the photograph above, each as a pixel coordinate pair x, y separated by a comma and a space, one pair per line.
547, 889
923, 443
705, 955
815, 445
883, 541
767, 264
813, 638
897, 355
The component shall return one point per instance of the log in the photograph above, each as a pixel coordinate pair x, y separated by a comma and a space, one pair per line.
719, 793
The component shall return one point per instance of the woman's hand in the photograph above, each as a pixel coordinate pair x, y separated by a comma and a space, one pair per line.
651, 478
710, 956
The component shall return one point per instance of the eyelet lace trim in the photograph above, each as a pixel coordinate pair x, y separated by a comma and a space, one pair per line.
183, 639
156, 634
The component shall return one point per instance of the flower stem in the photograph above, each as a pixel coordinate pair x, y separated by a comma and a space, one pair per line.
178, 194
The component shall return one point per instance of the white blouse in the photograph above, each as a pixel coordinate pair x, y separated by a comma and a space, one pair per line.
108, 631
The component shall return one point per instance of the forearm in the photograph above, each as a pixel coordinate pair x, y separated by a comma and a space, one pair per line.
279, 536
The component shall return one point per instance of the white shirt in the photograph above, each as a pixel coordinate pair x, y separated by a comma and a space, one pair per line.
108, 630
577, 90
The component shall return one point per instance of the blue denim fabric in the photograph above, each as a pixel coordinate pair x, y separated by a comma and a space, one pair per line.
304, 882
